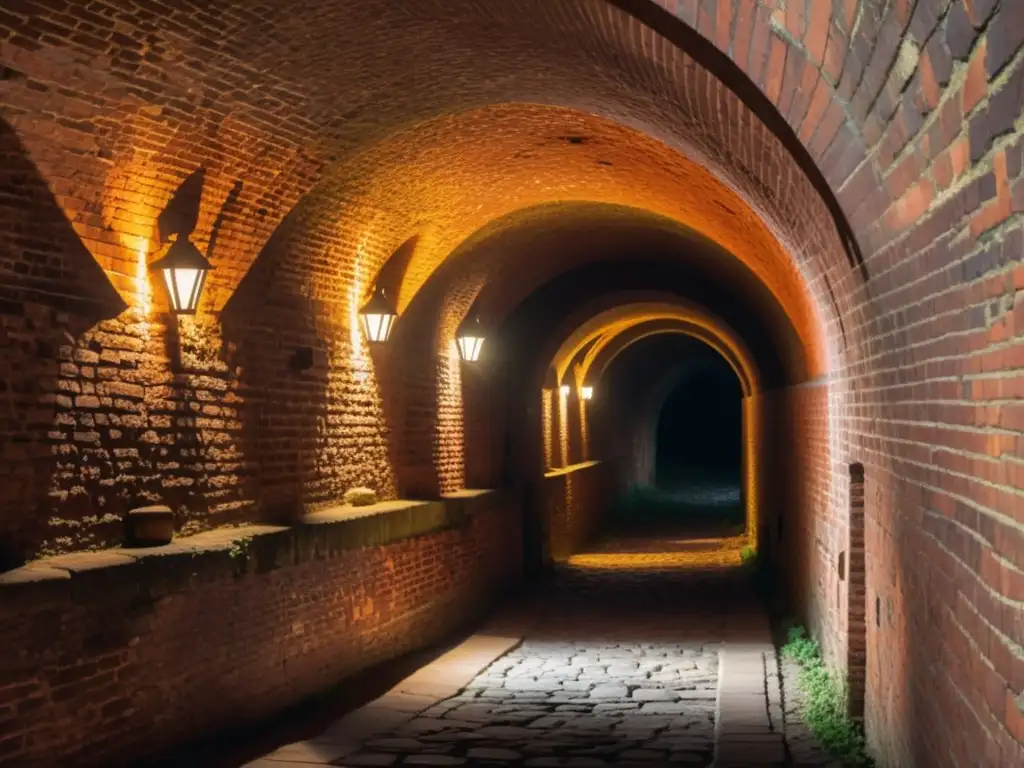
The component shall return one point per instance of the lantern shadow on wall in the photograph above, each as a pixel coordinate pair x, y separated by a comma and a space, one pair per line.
38, 300
281, 355
182, 271
183, 267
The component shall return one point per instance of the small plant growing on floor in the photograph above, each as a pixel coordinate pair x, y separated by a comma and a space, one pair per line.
825, 711
748, 555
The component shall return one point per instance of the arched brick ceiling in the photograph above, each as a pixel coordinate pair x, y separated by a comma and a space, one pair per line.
443, 174
597, 329
640, 379
514, 255
590, 365
263, 97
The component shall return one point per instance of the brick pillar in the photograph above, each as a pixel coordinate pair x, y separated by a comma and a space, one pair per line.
574, 427
856, 599
586, 451
560, 429
549, 426
752, 440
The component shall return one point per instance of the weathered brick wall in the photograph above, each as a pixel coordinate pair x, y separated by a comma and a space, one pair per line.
128, 657
796, 480
911, 113
576, 502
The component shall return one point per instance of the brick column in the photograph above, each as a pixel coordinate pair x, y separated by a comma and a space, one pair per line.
856, 598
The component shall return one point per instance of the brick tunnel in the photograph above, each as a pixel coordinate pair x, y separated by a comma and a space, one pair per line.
254, 453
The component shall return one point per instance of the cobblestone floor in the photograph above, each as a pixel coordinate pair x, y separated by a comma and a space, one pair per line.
619, 666
551, 703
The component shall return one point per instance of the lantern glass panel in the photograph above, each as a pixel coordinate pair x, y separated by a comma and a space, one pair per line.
469, 347
184, 285
378, 325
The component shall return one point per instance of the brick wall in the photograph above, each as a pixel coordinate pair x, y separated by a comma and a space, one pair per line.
112, 655
575, 501
796, 480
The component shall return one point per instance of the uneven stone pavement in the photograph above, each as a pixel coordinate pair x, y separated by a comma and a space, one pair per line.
624, 664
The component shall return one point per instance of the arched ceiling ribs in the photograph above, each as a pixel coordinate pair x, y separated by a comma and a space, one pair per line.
592, 367
598, 334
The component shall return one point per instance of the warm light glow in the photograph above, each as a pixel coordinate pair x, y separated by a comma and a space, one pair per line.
708, 553
587, 393
142, 285
584, 430
469, 347
547, 414
563, 427
753, 440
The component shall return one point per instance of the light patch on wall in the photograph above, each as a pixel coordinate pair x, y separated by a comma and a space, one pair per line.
753, 441
143, 287
357, 343
584, 430
449, 438
563, 426
547, 401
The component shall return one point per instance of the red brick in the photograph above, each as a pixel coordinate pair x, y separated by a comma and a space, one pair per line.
817, 32
976, 84
998, 210
745, 15
775, 68
723, 25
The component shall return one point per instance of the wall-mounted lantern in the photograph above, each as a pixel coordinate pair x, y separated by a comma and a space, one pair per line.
470, 339
587, 393
378, 317
184, 269
564, 390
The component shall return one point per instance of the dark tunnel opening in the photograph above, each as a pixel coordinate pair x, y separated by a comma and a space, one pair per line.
698, 444
700, 428
678, 408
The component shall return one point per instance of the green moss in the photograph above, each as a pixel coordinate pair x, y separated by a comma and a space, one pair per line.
825, 711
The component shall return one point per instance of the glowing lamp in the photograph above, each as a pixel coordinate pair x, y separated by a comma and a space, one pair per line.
378, 317
184, 269
564, 390
587, 393
470, 339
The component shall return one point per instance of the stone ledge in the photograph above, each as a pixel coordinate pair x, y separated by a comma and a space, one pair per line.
571, 468
317, 535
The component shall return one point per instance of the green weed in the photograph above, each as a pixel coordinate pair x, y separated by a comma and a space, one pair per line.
825, 710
